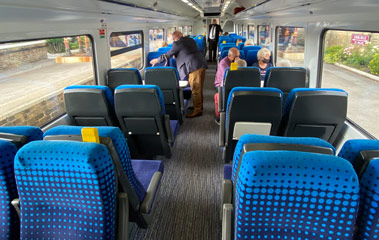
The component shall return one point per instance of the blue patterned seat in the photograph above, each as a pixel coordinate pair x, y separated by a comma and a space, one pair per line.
353, 147
368, 217
251, 57
139, 173
144, 121
68, 190
164, 49
10, 224
90, 105
246, 49
295, 195
121, 76
153, 55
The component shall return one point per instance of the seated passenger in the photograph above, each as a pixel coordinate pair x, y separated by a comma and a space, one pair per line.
164, 44
226, 34
240, 63
284, 63
249, 42
233, 54
239, 40
263, 62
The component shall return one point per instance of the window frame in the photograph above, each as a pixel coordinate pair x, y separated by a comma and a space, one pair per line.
277, 42
94, 61
131, 48
320, 74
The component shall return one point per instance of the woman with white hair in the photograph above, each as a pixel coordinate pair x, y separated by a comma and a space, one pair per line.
263, 63
249, 42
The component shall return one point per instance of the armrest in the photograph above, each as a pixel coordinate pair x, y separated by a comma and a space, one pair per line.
170, 137
123, 216
16, 204
227, 191
227, 215
221, 136
220, 99
150, 193
181, 99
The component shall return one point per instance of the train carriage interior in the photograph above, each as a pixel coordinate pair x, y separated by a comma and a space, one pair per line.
95, 142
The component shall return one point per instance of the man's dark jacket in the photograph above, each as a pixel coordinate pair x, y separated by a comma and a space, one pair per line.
188, 56
217, 32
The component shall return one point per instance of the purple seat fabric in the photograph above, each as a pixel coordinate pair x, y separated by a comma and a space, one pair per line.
228, 171
145, 169
174, 127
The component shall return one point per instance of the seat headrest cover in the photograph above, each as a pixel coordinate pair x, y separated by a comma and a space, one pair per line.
353, 147
32, 133
254, 138
68, 178
159, 92
297, 194
107, 91
120, 144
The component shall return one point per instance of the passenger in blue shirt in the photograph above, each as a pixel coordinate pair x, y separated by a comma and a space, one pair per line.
263, 63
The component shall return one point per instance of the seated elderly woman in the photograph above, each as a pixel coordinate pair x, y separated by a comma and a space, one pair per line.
164, 44
249, 42
263, 63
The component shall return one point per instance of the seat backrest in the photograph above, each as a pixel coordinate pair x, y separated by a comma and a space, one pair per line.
304, 195
251, 57
68, 188
243, 117
254, 138
166, 78
227, 47
241, 45
286, 78
164, 49
314, 112
351, 148
153, 55
143, 121
90, 105
249, 48
30, 132
368, 215
10, 227
227, 39
122, 76
242, 77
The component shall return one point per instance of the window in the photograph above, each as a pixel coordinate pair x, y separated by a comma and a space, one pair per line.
251, 31
185, 31
170, 31
126, 49
264, 36
244, 31
189, 30
180, 29
156, 39
351, 62
33, 75
290, 46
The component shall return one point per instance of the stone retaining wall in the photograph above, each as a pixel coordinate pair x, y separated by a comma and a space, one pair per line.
20, 54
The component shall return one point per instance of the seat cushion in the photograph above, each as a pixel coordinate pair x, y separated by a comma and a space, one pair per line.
145, 169
228, 171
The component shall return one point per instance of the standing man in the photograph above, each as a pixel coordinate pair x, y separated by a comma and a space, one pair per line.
191, 63
213, 34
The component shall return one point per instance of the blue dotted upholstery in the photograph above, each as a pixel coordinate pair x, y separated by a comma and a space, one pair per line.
247, 89
351, 148
251, 57
291, 95
172, 68
295, 195
159, 92
32, 133
107, 91
10, 224
66, 189
368, 217
120, 144
246, 49
254, 138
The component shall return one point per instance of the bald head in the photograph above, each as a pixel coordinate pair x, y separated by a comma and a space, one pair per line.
233, 54
176, 35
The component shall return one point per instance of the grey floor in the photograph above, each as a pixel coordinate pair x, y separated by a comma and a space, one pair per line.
189, 202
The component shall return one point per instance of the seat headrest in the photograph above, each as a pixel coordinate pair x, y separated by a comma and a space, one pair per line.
353, 147
107, 91
32, 133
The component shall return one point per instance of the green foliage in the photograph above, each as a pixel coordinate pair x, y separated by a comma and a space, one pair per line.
55, 45
333, 54
374, 64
